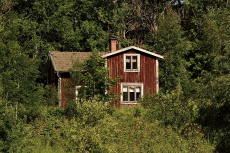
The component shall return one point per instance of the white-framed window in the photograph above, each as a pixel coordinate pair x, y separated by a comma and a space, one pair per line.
131, 62
131, 92
80, 91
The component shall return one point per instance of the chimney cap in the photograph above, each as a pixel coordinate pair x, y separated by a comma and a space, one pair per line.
112, 38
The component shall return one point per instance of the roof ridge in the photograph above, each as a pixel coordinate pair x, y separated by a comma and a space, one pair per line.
132, 47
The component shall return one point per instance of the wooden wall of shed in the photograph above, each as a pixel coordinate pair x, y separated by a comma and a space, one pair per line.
147, 74
68, 90
52, 78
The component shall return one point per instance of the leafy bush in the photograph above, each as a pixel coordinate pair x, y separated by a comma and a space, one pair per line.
170, 108
214, 114
95, 127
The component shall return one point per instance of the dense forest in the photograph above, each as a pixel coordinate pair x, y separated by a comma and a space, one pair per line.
191, 113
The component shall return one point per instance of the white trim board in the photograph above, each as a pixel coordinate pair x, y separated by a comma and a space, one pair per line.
132, 47
138, 63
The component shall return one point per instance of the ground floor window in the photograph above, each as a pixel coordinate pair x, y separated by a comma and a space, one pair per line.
131, 92
80, 92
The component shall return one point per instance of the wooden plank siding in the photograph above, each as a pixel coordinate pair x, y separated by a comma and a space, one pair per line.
52, 78
67, 94
146, 75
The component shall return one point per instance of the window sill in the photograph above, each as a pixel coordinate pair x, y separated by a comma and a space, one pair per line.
132, 71
129, 103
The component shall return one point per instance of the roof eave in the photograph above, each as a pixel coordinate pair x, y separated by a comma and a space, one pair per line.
55, 69
132, 47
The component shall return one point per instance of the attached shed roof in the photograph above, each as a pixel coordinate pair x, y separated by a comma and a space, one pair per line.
132, 47
63, 61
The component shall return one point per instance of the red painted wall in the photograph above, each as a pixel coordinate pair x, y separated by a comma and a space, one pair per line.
147, 74
67, 91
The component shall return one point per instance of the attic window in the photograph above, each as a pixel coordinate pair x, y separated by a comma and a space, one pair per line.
131, 62
131, 92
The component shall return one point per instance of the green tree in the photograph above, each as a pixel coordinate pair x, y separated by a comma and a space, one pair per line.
211, 48
169, 42
92, 76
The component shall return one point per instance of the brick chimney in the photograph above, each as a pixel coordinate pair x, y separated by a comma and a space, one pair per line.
112, 44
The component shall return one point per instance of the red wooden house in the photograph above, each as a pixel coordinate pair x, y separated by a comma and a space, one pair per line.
138, 68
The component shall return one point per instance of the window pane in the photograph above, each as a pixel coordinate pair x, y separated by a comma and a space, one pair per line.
80, 92
125, 96
138, 92
131, 93
131, 89
134, 62
132, 96
125, 93
128, 63
134, 58
138, 95
138, 89
125, 89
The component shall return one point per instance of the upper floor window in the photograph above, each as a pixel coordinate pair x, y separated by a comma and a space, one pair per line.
131, 62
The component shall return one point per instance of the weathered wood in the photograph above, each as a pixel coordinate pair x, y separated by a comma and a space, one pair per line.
146, 75
67, 91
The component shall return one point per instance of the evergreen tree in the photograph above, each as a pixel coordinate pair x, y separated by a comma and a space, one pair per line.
170, 42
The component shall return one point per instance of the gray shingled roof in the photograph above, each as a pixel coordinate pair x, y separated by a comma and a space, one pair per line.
63, 61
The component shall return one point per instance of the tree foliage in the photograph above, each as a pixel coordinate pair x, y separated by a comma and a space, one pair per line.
97, 128
170, 42
91, 75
